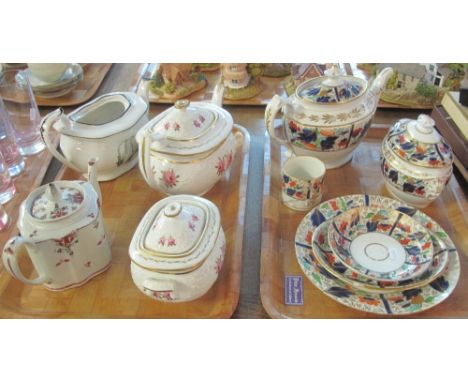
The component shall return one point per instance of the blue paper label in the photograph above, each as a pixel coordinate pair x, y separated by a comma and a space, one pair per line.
293, 290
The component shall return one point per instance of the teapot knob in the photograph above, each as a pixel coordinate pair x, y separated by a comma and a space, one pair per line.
333, 71
52, 193
182, 104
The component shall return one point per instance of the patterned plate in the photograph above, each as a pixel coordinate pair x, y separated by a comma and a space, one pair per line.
382, 244
327, 259
402, 302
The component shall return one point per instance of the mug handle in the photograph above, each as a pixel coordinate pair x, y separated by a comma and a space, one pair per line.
273, 107
10, 261
46, 125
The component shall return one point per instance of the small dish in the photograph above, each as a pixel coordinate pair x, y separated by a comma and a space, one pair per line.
326, 258
382, 244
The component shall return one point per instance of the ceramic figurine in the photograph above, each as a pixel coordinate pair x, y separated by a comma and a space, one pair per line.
276, 70
328, 116
104, 128
178, 249
176, 81
299, 74
187, 148
416, 161
62, 229
207, 67
239, 83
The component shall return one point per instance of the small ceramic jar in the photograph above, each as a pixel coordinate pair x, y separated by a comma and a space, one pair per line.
416, 161
178, 249
187, 148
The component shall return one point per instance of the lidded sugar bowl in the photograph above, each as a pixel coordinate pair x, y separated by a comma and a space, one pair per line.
178, 249
187, 148
416, 161
328, 116
62, 229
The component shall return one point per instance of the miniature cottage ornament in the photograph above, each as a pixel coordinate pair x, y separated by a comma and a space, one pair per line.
178, 249
416, 161
188, 148
176, 81
238, 82
328, 116
62, 229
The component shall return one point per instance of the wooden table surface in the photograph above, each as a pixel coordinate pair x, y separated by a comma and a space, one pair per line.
122, 77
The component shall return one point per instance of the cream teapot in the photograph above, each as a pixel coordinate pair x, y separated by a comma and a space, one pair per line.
187, 148
104, 128
62, 229
328, 116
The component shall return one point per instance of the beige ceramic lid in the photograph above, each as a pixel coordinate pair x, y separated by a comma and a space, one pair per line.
189, 128
56, 202
419, 143
333, 88
176, 234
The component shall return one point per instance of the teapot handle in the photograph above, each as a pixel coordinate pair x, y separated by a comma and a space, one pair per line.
46, 124
10, 261
144, 161
273, 107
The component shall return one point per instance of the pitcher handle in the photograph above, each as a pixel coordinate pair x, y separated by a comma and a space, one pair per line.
10, 261
272, 109
47, 124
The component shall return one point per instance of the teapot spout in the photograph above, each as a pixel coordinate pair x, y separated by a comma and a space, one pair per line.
381, 80
92, 176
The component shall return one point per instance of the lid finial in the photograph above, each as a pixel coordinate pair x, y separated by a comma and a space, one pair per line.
182, 104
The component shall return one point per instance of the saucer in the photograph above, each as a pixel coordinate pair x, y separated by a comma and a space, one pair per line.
327, 259
381, 244
69, 79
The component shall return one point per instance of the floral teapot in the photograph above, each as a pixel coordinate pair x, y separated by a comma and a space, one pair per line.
187, 148
62, 229
328, 116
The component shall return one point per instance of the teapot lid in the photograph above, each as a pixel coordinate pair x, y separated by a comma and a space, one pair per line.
332, 88
190, 128
55, 209
419, 143
56, 202
176, 234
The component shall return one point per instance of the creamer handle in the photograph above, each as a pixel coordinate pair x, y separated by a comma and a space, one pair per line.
46, 124
273, 107
10, 261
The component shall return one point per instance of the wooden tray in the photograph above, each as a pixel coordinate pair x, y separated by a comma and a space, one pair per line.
272, 86
113, 293
93, 75
362, 175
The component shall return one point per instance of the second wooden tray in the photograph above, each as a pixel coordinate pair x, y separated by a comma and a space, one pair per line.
113, 293
361, 175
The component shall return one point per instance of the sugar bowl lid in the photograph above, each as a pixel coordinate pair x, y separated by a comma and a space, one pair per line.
176, 234
333, 88
189, 128
419, 143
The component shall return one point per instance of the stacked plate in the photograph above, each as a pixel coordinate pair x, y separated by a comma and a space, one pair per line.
72, 76
377, 255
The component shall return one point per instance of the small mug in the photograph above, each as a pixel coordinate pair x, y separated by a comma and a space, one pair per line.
302, 179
